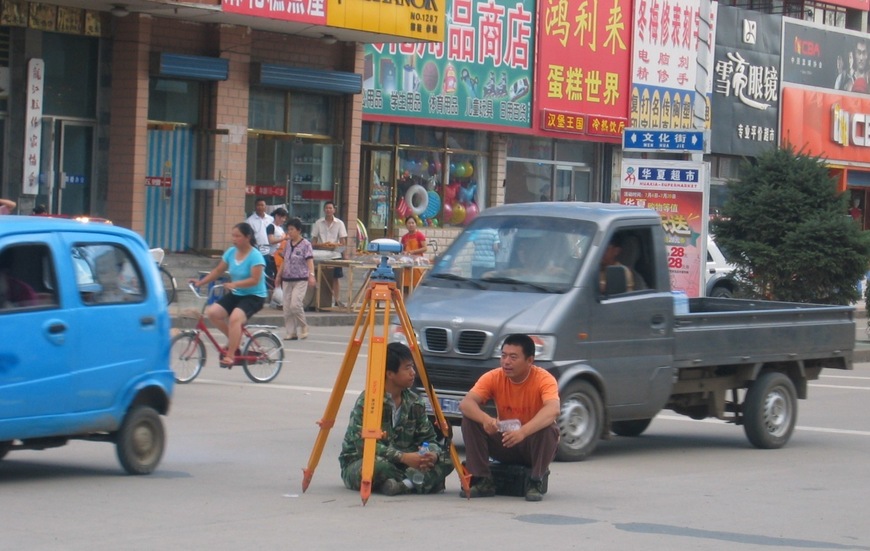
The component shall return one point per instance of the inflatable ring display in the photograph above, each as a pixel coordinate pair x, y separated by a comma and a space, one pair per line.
434, 206
362, 236
417, 199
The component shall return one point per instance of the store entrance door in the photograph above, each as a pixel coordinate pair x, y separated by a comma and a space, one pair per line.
73, 153
377, 177
572, 184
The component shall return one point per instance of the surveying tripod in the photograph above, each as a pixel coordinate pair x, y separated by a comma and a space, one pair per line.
382, 291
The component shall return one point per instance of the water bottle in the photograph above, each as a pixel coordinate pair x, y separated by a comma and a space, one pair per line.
417, 477
681, 302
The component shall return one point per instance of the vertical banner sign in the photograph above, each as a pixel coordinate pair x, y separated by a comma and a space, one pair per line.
583, 67
746, 82
675, 189
664, 62
480, 75
33, 126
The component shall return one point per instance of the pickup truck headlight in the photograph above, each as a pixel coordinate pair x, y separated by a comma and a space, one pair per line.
545, 346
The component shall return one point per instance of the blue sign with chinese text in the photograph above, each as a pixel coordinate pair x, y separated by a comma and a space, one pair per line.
651, 139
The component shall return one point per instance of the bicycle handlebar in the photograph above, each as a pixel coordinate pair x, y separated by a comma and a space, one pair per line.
196, 292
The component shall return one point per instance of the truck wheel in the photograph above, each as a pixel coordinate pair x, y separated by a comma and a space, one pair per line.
721, 291
579, 422
4, 448
770, 411
635, 427
140, 441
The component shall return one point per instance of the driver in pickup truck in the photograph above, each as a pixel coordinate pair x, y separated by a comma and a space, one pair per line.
525, 432
610, 258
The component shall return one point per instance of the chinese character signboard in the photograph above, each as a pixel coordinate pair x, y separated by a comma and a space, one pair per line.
412, 19
480, 76
675, 189
301, 11
583, 67
665, 62
33, 127
680, 141
745, 101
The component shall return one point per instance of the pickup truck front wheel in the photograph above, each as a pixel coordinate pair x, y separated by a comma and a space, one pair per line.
580, 421
770, 411
141, 440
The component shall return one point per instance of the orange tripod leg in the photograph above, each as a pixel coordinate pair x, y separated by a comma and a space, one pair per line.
373, 402
328, 421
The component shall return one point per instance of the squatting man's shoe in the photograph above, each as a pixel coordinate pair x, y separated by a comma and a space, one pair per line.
535, 491
482, 486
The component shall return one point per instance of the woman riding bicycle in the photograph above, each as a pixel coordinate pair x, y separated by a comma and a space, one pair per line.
246, 267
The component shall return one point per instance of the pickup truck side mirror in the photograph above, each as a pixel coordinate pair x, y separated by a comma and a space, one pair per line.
614, 281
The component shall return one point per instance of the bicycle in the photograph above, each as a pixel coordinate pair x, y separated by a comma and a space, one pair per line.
169, 285
262, 350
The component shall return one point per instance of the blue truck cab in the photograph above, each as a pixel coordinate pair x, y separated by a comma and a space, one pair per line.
85, 347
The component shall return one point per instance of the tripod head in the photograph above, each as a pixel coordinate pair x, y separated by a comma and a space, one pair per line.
384, 272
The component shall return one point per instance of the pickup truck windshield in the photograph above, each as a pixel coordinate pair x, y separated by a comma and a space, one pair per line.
543, 253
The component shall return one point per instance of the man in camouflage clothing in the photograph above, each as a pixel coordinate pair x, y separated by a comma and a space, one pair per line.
406, 428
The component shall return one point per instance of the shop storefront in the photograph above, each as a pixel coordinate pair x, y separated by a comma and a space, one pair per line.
295, 156
437, 175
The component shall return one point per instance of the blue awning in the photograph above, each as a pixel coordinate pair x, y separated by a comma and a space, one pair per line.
299, 78
192, 67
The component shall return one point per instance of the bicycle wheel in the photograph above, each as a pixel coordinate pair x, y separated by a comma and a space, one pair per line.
269, 350
168, 284
186, 356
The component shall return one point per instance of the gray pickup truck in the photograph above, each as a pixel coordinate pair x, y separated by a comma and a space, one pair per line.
612, 339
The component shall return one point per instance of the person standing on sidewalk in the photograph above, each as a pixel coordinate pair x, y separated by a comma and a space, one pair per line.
525, 432
330, 233
297, 274
260, 221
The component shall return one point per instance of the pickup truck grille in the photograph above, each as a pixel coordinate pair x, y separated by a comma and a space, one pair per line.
449, 378
436, 339
468, 343
471, 342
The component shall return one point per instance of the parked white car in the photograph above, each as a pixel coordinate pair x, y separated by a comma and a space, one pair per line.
720, 273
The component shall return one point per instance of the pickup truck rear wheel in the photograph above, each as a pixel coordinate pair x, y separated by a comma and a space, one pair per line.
580, 421
635, 427
770, 411
140, 441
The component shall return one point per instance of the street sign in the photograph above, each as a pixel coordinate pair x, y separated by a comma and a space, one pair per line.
663, 139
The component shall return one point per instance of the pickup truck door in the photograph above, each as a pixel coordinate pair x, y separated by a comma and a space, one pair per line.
631, 345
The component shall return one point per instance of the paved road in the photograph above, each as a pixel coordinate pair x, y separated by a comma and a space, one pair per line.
231, 479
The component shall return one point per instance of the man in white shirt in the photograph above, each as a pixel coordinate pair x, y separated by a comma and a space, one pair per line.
260, 221
330, 233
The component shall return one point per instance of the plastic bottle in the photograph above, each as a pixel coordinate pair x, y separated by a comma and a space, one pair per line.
681, 302
416, 476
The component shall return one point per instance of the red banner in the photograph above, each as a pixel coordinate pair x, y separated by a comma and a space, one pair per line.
303, 11
833, 126
583, 67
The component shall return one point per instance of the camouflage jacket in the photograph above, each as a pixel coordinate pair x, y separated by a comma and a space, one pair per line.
411, 430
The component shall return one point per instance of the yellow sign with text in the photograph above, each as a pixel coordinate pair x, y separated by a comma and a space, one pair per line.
419, 20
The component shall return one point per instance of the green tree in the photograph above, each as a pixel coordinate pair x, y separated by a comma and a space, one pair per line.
787, 230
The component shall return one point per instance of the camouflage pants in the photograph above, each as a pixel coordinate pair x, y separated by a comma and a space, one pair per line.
433, 480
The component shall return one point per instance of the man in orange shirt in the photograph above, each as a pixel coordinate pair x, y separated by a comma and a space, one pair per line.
525, 433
